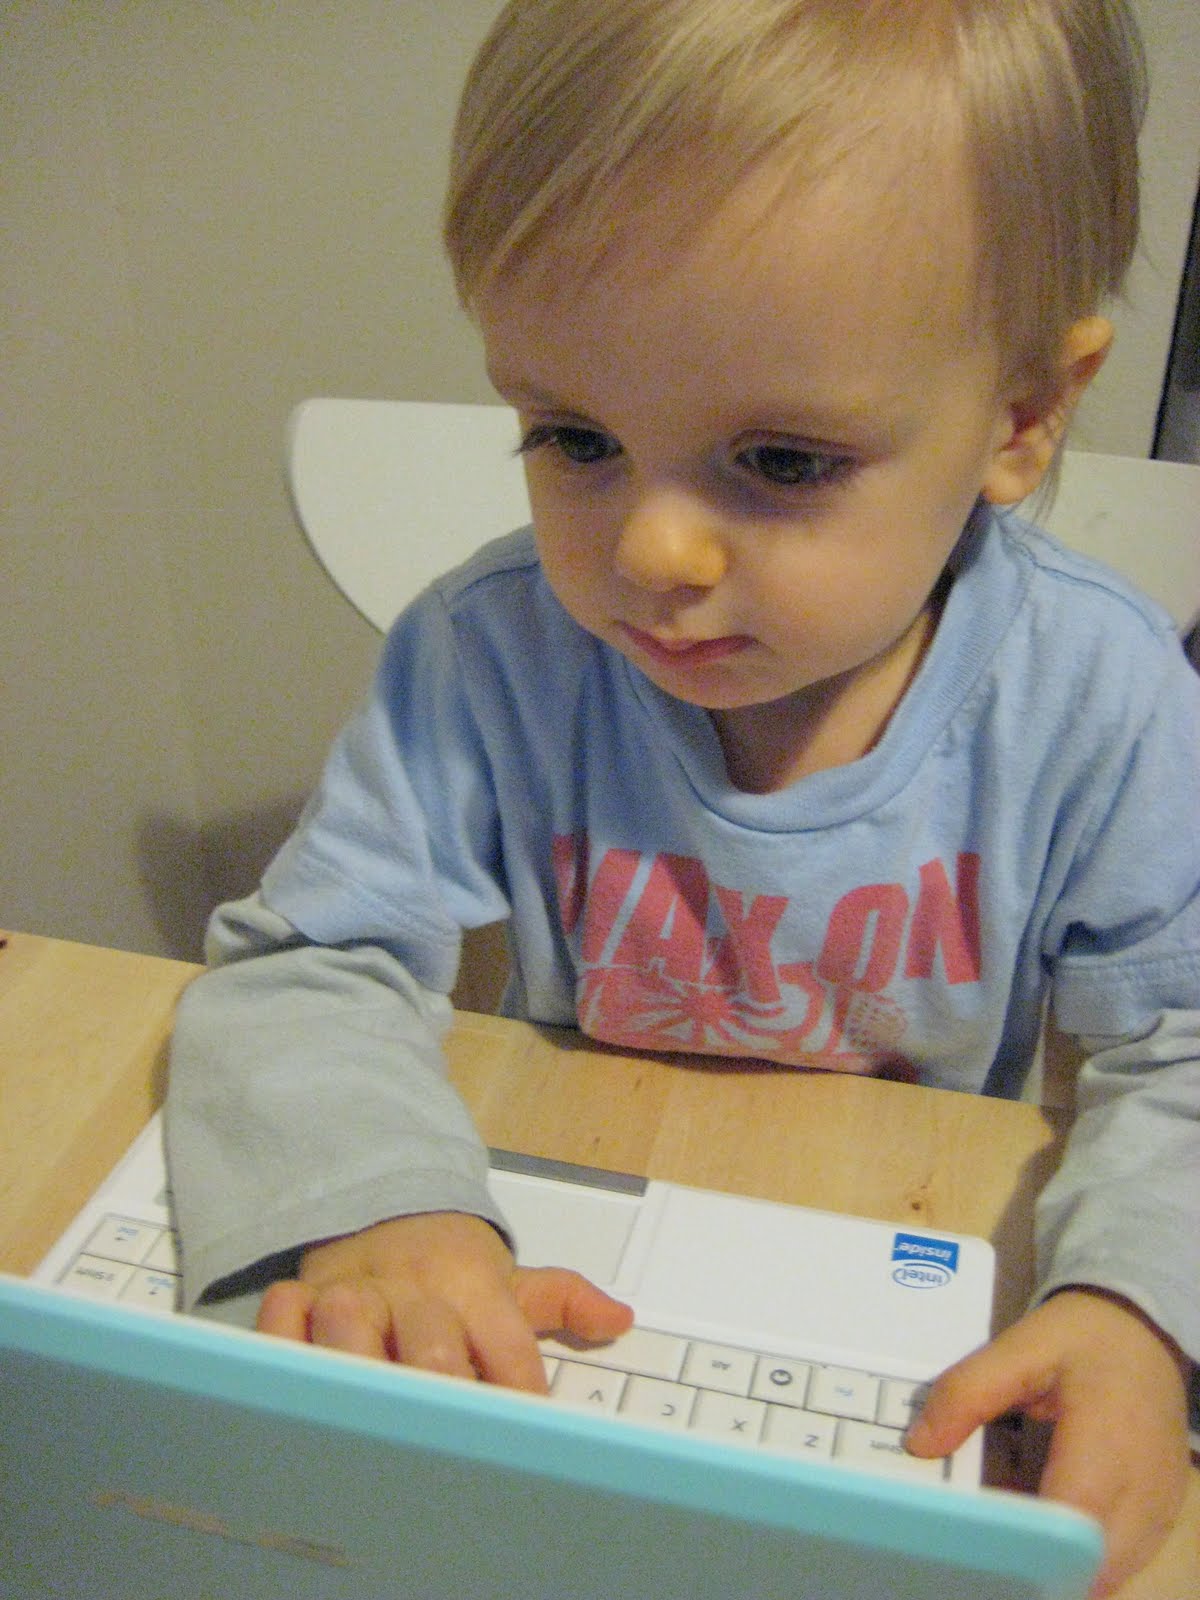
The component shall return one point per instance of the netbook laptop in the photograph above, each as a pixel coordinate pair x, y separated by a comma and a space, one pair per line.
159, 1457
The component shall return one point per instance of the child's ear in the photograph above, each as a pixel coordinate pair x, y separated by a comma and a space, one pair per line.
1037, 426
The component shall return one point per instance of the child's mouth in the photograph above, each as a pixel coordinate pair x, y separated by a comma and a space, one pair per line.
686, 652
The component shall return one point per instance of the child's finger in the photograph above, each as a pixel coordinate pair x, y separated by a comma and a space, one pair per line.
558, 1300
429, 1334
284, 1310
504, 1348
980, 1387
351, 1317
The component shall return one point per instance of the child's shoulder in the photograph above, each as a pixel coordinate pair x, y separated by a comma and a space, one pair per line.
510, 561
1071, 589
498, 602
1078, 632
1058, 643
496, 607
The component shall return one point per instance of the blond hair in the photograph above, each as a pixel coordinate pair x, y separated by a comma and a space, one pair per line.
574, 107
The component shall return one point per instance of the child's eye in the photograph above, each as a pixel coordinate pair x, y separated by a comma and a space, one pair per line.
579, 445
794, 466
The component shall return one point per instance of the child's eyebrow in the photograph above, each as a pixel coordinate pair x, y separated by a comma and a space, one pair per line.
518, 390
864, 424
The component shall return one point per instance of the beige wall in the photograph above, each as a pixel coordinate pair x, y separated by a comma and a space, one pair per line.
213, 210
1120, 411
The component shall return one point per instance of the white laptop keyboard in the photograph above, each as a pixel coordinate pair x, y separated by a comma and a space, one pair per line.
744, 1396
720, 1391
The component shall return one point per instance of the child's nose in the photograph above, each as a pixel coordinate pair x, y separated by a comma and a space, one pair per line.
669, 543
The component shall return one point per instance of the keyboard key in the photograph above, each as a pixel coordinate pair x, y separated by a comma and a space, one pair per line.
94, 1276
730, 1417
596, 1388
844, 1393
780, 1381
656, 1400
159, 1291
719, 1366
123, 1239
900, 1402
800, 1433
164, 1253
866, 1444
643, 1350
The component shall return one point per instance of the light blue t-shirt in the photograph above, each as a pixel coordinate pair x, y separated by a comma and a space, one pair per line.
1027, 815
1027, 826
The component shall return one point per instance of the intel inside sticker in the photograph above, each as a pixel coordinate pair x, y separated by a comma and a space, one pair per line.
922, 1262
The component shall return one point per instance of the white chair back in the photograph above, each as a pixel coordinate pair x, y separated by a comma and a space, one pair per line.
392, 493
1140, 517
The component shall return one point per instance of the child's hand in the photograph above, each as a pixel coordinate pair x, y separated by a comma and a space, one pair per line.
440, 1291
1112, 1385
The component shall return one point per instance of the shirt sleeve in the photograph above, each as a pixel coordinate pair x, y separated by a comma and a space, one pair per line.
1124, 946
400, 843
308, 1098
1121, 1212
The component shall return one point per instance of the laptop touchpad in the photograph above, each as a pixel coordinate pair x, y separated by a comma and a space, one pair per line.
566, 1222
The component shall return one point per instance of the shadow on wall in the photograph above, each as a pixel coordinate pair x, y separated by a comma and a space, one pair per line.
233, 853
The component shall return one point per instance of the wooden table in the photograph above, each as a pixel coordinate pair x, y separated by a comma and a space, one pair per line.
83, 1041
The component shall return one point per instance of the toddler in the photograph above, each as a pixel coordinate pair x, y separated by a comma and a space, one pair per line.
779, 736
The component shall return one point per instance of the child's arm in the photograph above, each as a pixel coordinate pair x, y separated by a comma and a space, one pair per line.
438, 1291
1112, 1385
309, 1093
1117, 1221
308, 1098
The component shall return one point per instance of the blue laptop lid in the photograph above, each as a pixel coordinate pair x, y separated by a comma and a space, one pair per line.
150, 1457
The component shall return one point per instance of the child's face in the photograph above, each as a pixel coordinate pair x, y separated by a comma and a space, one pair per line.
751, 452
